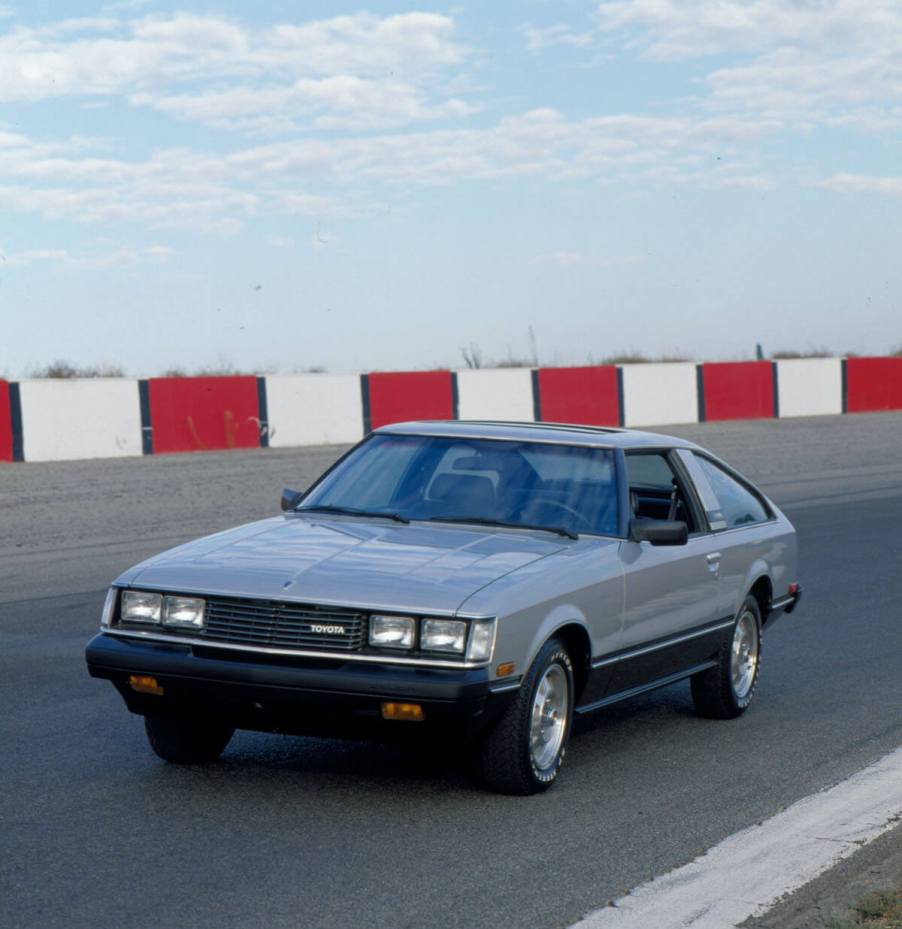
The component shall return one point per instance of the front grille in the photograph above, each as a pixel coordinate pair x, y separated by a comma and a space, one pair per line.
282, 625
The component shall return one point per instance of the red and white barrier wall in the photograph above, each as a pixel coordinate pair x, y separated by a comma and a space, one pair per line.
313, 409
48, 420
93, 418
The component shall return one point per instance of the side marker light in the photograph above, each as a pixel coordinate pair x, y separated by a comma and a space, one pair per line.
145, 684
411, 712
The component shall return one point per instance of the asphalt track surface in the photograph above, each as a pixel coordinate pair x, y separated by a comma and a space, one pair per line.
95, 832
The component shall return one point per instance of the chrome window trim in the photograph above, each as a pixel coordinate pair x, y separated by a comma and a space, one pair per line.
494, 438
292, 652
646, 649
770, 521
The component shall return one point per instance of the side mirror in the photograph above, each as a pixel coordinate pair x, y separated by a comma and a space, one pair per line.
291, 498
659, 531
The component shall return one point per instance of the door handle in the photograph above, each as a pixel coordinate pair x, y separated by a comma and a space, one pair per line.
713, 557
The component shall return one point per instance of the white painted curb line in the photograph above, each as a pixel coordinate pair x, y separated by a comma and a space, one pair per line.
746, 874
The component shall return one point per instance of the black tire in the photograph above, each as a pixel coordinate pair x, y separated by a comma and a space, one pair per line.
187, 739
508, 762
714, 691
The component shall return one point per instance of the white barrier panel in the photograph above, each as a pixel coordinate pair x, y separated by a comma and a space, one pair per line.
660, 394
495, 393
314, 409
90, 418
810, 386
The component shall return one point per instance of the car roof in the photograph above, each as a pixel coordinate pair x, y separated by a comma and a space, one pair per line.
561, 433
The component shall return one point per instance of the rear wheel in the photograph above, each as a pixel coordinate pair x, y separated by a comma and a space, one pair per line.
187, 739
726, 690
523, 752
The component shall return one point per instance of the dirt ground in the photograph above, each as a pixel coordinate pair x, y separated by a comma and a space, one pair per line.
828, 902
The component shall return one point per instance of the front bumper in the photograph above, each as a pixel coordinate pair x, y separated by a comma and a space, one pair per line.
303, 695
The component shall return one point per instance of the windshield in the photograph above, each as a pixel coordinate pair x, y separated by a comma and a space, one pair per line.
532, 484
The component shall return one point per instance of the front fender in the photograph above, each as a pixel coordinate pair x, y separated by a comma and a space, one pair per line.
516, 644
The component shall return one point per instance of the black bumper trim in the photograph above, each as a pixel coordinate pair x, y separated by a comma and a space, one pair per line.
340, 685
788, 603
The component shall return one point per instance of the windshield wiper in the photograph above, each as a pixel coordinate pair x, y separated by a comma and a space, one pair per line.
351, 511
483, 521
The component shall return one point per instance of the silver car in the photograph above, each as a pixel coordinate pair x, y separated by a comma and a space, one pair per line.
494, 579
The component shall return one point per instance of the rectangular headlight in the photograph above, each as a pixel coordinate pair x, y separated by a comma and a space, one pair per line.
482, 640
392, 631
443, 635
141, 607
187, 612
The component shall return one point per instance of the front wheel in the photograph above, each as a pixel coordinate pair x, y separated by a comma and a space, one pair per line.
726, 690
523, 752
188, 739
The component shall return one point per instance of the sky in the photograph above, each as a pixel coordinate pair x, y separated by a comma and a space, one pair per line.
285, 186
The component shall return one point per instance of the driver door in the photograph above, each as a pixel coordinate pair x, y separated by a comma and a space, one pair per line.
671, 592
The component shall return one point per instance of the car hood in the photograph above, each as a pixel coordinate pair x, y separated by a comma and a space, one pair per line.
347, 561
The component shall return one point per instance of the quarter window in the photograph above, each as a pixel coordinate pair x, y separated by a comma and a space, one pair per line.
655, 490
739, 506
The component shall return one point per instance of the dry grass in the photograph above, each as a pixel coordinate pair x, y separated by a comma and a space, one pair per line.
637, 358
879, 910
807, 353
60, 369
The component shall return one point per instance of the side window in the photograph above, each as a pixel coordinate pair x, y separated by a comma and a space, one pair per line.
651, 471
739, 506
656, 492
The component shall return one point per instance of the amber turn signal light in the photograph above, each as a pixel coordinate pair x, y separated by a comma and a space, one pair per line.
505, 670
412, 712
145, 684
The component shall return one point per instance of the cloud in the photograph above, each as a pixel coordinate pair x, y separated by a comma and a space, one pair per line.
674, 29
538, 37
860, 90
542, 143
337, 102
357, 71
304, 204
88, 261
863, 183
187, 188
817, 62
570, 259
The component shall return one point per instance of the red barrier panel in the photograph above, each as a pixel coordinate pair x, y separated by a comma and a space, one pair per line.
738, 389
873, 384
579, 395
6, 425
190, 414
395, 397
